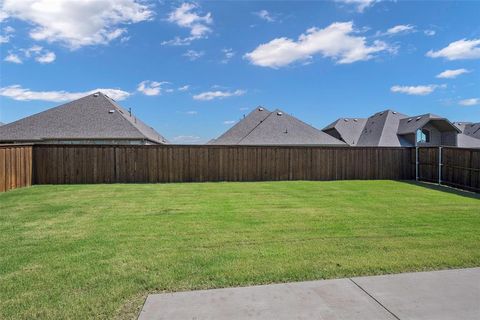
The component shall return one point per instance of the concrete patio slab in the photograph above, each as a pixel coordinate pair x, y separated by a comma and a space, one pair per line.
329, 299
449, 294
452, 294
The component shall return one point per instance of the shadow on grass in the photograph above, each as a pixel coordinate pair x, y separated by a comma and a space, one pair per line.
443, 188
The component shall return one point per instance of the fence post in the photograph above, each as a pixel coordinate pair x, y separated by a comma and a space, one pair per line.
416, 163
439, 165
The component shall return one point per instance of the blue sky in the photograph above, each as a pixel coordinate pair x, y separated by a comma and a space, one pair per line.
191, 69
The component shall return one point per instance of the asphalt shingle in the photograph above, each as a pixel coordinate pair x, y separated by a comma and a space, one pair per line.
262, 127
93, 117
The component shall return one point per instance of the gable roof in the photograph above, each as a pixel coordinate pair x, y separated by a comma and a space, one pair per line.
470, 134
242, 128
381, 130
472, 129
349, 129
386, 128
262, 127
410, 125
95, 116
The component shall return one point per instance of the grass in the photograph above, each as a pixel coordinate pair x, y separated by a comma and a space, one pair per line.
96, 251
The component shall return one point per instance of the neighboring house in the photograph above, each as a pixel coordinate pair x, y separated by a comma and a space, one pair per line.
93, 119
469, 136
392, 129
263, 127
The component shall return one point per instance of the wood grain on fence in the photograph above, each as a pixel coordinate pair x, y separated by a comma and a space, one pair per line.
460, 167
61, 164
15, 167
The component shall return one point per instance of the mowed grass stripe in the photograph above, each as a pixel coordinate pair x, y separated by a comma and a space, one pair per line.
96, 251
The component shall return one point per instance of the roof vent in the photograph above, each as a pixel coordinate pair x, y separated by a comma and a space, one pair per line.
380, 113
355, 120
418, 118
346, 120
279, 113
394, 112
260, 109
96, 94
111, 111
409, 120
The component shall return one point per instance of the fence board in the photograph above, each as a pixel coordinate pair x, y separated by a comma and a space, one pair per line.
460, 167
65, 164
15, 167
140, 164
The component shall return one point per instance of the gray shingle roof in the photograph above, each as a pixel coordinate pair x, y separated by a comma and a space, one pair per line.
412, 124
348, 128
472, 129
469, 136
386, 128
1, 124
381, 130
262, 127
95, 116
378, 130
242, 128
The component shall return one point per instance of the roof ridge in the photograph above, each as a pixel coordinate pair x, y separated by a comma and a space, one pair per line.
388, 115
134, 124
114, 104
244, 137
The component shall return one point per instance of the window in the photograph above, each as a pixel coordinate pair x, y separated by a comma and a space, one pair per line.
423, 136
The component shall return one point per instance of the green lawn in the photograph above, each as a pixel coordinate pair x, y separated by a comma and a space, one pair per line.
96, 251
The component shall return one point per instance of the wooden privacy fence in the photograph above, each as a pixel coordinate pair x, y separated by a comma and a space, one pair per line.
456, 167
15, 167
65, 164
24, 165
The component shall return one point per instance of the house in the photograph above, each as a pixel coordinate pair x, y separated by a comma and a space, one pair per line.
264, 127
93, 119
389, 128
469, 136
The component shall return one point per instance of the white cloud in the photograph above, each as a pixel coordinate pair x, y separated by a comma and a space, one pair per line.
210, 95
187, 139
151, 88
16, 92
401, 28
450, 74
13, 58
177, 41
360, 5
228, 55
33, 50
193, 55
184, 88
417, 90
8, 29
461, 49
337, 41
47, 57
40, 55
228, 122
191, 112
7, 34
470, 102
264, 15
186, 16
429, 33
77, 23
